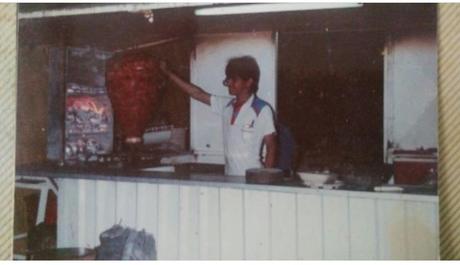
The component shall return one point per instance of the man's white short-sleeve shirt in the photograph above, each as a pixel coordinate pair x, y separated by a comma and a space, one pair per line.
243, 140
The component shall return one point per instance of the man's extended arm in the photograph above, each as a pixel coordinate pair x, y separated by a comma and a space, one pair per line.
192, 90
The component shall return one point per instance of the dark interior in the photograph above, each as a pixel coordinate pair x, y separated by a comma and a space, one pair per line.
330, 92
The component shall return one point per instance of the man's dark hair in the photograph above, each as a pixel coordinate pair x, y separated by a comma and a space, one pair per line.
244, 67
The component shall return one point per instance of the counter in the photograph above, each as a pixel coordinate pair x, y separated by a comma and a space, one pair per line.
202, 174
210, 216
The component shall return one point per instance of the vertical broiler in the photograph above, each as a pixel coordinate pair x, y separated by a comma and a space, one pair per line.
133, 83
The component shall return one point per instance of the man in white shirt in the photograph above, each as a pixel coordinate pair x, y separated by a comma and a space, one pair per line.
248, 122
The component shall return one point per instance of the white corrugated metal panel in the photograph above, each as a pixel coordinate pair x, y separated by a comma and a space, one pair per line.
147, 208
232, 224
89, 214
70, 208
106, 206
189, 223
392, 229
210, 239
421, 223
168, 218
283, 235
336, 232
256, 225
363, 225
194, 222
310, 227
126, 204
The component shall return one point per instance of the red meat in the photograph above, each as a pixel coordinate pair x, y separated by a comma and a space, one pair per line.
133, 84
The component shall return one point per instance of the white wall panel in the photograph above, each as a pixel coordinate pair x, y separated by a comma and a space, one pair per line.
309, 227
189, 213
67, 228
105, 204
82, 215
336, 227
209, 223
363, 233
231, 224
168, 229
421, 228
62, 222
283, 226
192, 222
147, 208
410, 91
126, 205
392, 229
257, 225
91, 237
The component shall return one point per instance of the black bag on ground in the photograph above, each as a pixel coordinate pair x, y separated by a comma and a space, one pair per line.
120, 243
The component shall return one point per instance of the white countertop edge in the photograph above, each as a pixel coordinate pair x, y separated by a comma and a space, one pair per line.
271, 188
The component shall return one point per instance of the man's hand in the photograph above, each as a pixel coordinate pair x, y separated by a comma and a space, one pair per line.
164, 67
271, 145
